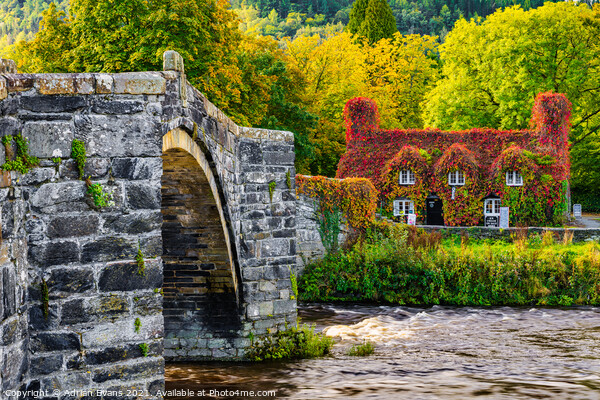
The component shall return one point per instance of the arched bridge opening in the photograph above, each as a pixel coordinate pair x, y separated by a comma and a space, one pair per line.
200, 280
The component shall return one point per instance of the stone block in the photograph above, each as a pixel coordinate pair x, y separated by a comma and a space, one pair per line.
126, 276
133, 223
139, 83
111, 136
51, 194
54, 253
137, 168
279, 158
172, 61
148, 305
95, 168
265, 308
109, 249
250, 152
53, 104
64, 83
275, 247
284, 306
55, 341
75, 225
70, 280
104, 83
37, 176
46, 364
75, 312
40, 322
8, 66
12, 330
117, 107
143, 195
102, 334
49, 139
3, 88
19, 82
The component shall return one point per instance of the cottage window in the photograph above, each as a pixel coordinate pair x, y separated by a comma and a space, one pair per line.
492, 206
403, 207
456, 178
407, 177
513, 178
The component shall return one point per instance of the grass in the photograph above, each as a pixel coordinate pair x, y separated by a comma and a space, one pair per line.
362, 350
398, 265
293, 343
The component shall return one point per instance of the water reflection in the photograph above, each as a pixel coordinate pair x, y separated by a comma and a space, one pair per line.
427, 353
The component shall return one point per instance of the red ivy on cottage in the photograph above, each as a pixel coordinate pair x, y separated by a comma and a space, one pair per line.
484, 155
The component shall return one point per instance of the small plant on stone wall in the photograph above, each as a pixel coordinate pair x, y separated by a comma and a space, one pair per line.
294, 282
56, 160
272, 185
288, 180
144, 349
23, 162
99, 196
139, 258
78, 154
137, 325
45, 298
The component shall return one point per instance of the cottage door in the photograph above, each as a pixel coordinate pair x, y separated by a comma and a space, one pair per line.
435, 214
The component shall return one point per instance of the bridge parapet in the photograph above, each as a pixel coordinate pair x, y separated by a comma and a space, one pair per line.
93, 316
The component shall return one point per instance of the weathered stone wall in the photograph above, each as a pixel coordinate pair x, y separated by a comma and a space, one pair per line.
103, 311
13, 292
480, 232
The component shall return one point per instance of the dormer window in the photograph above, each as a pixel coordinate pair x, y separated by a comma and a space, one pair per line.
513, 178
456, 178
407, 177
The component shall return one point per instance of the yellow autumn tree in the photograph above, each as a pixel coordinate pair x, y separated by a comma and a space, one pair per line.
334, 69
401, 71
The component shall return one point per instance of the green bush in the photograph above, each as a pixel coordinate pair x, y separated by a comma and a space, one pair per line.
362, 350
294, 343
384, 268
590, 201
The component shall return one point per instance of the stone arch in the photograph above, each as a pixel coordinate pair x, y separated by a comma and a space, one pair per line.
201, 279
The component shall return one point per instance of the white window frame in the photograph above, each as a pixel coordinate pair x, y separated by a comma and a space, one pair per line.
407, 177
406, 206
514, 178
456, 178
495, 207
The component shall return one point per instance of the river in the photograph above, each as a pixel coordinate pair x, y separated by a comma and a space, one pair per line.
425, 353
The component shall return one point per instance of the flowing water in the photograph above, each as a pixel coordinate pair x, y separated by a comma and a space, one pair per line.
424, 353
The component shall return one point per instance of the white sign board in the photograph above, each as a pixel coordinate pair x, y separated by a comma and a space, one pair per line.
577, 210
504, 212
411, 219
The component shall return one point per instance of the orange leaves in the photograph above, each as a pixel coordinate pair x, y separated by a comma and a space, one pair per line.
355, 197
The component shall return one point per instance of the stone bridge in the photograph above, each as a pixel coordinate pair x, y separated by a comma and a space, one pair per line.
191, 260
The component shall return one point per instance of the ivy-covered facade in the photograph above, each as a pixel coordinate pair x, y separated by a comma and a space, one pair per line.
462, 178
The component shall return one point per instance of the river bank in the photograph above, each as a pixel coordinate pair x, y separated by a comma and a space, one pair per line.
399, 265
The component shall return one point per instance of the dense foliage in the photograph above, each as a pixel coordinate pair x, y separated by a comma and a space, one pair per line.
372, 20
356, 198
399, 266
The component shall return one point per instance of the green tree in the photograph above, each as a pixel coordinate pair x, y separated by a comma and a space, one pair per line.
372, 19
493, 69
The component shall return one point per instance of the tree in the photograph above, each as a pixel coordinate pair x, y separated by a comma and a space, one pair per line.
372, 19
493, 69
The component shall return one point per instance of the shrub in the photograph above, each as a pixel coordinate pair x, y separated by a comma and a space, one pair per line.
361, 350
294, 343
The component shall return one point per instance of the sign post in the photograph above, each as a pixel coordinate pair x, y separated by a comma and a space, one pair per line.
504, 221
577, 211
